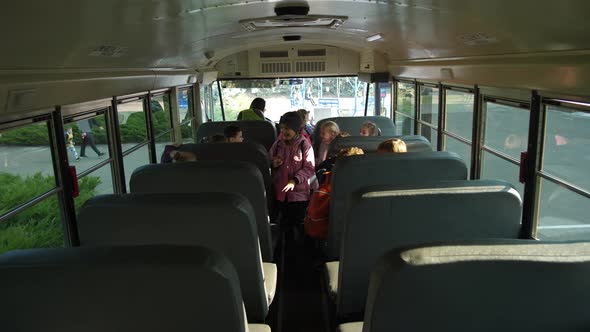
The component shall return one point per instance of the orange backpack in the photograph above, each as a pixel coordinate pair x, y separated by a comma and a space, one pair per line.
318, 212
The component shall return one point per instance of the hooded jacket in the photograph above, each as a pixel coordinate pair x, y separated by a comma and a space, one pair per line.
298, 163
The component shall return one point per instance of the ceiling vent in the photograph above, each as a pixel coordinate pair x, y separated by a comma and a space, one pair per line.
306, 52
274, 54
293, 21
310, 66
275, 67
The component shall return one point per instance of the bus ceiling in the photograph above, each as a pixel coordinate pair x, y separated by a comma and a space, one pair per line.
523, 44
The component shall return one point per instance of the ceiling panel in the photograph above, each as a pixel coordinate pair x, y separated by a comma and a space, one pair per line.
176, 33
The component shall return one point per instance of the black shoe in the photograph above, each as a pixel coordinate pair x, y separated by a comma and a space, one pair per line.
100, 154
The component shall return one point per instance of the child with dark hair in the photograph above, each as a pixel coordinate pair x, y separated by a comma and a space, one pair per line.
307, 125
255, 112
233, 134
303, 132
292, 168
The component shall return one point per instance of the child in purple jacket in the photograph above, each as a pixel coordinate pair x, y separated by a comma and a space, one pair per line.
293, 164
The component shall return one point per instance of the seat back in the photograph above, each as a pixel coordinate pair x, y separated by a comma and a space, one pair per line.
249, 152
369, 144
352, 173
148, 288
352, 125
223, 222
261, 132
485, 286
385, 217
210, 176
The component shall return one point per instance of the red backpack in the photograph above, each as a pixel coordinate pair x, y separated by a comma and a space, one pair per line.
318, 213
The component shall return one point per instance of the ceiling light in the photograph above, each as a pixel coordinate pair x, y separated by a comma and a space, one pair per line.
293, 21
374, 38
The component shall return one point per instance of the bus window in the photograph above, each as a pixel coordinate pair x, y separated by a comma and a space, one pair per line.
384, 105
132, 124
506, 136
186, 113
429, 113
323, 97
204, 101
565, 185
161, 122
94, 165
459, 113
27, 175
135, 158
459, 147
26, 163
90, 140
39, 226
134, 136
217, 115
371, 101
405, 112
459, 122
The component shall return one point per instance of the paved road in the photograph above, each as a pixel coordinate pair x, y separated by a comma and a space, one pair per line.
27, 160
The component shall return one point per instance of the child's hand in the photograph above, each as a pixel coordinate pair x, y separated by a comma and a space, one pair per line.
290, 186
276, 162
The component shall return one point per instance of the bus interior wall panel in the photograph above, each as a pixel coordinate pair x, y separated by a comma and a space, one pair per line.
51, 88
569, 73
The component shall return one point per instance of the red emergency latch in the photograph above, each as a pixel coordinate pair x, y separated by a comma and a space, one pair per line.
523, 165
75, 185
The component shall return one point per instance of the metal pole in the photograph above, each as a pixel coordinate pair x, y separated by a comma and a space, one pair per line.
532, 165
441, 116
147, 104
377, 99
416, 108
355, 93
366, 98
64, 179
476, 136
221, 100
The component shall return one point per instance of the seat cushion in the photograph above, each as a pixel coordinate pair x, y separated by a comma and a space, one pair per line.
270, 280
478, 286
351, 327
332, 271
258, 328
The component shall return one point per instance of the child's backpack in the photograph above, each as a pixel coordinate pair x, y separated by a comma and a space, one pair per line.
317, 218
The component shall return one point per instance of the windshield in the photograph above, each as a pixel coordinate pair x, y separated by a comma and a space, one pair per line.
323, 97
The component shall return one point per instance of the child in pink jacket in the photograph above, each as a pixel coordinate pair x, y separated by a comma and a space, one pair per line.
293, 164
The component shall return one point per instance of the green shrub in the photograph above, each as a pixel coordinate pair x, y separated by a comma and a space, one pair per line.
39, 134
186, 131
39, 226
27, 135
